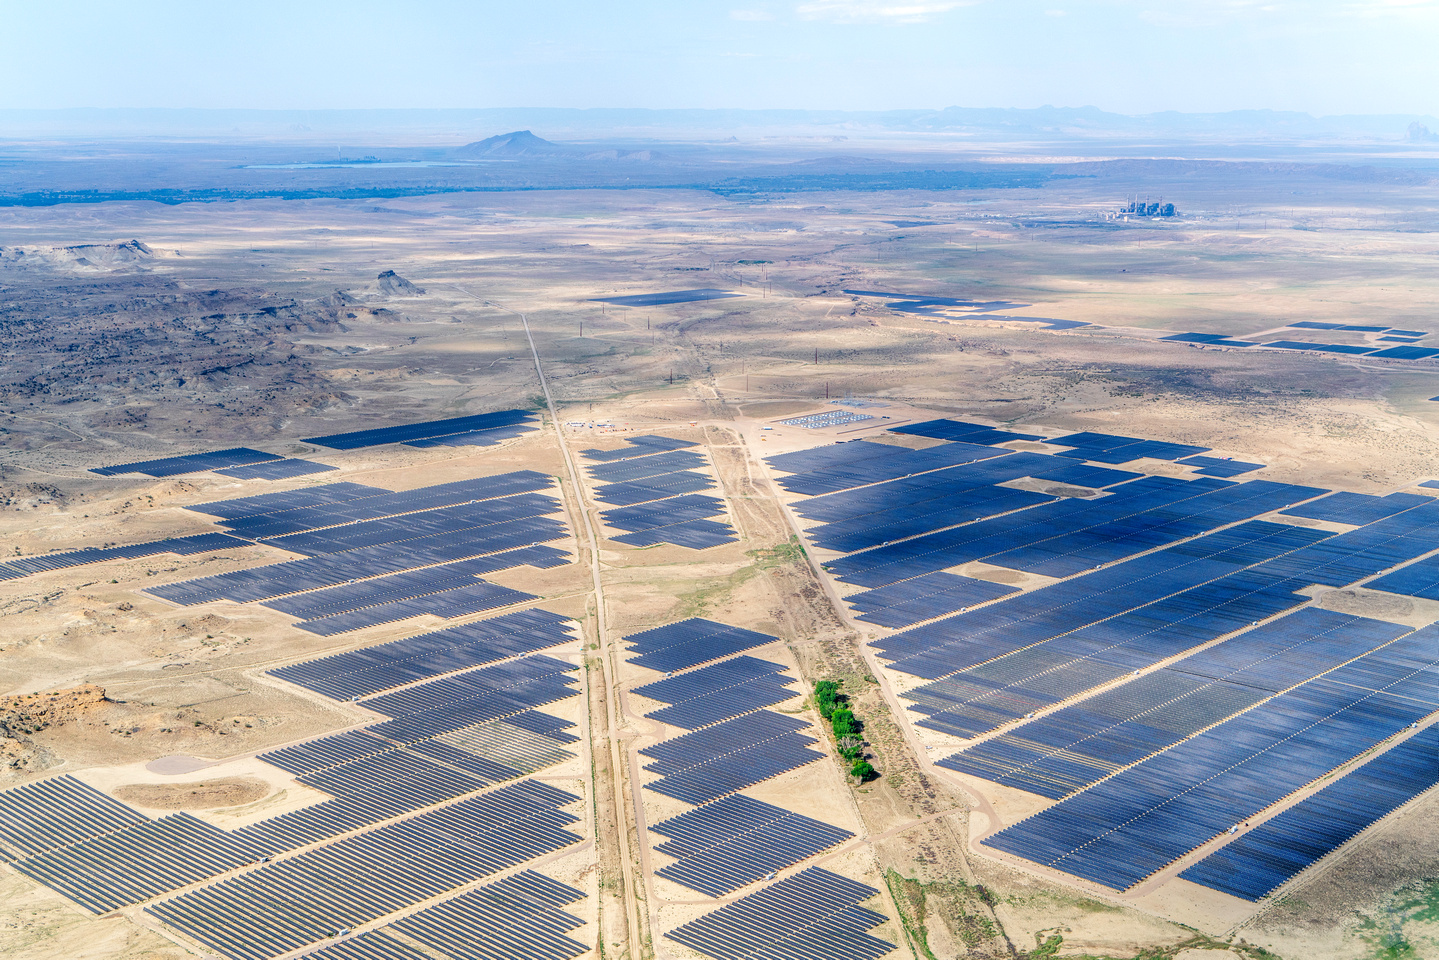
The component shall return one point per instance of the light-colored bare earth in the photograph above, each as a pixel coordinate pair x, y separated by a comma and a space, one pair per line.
191, 682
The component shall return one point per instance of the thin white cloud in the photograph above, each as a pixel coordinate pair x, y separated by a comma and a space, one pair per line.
877, 11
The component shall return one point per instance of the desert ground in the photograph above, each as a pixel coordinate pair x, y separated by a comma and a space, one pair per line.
137, 330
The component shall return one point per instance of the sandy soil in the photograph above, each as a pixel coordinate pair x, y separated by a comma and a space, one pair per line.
191, 681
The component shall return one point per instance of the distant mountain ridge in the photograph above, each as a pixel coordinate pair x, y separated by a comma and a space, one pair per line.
608, 123
520, 143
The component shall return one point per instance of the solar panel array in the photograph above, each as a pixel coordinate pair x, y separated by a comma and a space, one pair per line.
1154, 569
276, 470
718, 692
479, 430
519, 916
1210, 339
58, 812
1109, 448
689, 643
179, 546
1389, 353
664, 299
1219, 466
1079, 745
730, 840
812, 914
377, 556
1140, 820
374, 669
963, 432
193, 463
655, 494
1260, 860
136, 863
733, 842
307, 898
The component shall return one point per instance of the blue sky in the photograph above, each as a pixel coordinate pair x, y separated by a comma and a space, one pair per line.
1128, 56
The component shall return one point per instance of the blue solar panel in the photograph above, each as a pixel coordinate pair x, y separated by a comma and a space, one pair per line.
923, 598
1263, 858
963, 432
1140, 820
1219, 466
1077, 746
193, 463
1357, 508
422, 431
664, 299
276, 470
1317, 347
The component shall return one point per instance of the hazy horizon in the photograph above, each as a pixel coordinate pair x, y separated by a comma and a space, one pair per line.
1331, 58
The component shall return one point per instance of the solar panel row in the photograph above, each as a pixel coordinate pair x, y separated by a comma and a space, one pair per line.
264, 503
305, 899
963, 432
1357, 509
737, 769
276, 470
483, 437
518, 917
1140, 820
57, 812
730, 843
983, 698
1263, 858
180, 546
970, 639
423, 431
1075, 747
371, 786
710, 743
136, 863
923, 598
370, 670
655, 495
498, 547
1070, 536
638, 447
518, 513
1109, 448
689, 643
317, 516
1219, 466
812, 914
193, 463
841, 466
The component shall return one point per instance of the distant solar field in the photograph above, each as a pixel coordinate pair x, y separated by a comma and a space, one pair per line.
664, 299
